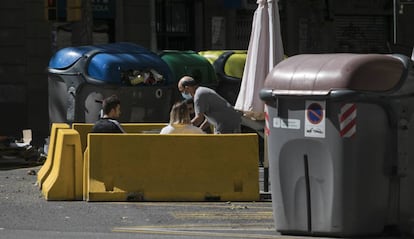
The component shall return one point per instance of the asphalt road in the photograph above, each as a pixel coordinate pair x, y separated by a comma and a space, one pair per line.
24, 213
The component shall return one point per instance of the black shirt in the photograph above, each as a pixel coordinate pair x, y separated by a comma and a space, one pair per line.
107, 125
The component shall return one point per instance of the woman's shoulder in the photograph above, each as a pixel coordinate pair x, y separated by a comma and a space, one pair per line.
181, 129
167, 129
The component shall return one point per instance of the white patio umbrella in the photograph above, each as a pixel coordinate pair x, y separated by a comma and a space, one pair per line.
264, 52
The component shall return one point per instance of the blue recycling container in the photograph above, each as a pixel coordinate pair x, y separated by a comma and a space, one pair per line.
81, 77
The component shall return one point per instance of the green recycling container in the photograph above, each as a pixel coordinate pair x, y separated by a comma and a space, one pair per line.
190, 63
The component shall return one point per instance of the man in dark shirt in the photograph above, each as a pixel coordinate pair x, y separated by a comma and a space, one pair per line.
111, 108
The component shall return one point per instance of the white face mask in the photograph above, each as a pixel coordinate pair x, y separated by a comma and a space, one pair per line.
186, 96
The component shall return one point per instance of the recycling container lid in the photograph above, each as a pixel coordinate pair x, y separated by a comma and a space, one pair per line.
113, 63
211, 55
66, 57
190, 63
234, 65
318, 74
227, 63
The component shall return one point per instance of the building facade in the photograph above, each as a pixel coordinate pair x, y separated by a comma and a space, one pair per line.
28, 39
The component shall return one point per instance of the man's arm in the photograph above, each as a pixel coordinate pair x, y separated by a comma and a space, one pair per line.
205, 125
198, 120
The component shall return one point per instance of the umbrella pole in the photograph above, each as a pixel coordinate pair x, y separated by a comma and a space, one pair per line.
265, 166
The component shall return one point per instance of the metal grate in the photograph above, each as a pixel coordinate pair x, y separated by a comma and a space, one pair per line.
362, 34
243, 29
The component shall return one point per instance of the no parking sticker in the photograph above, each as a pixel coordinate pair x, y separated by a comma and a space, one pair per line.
315, 119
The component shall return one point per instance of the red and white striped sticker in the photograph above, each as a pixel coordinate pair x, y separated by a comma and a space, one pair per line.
347, 120
266, 129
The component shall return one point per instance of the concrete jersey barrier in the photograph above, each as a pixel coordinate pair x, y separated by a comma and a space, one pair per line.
149, 167
64, 181
153, 167
85, 128
48, 164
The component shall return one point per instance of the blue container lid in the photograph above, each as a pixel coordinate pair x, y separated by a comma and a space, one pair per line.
110, 67
66, 57
112, 63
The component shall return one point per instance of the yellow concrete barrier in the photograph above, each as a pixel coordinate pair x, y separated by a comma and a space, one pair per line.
47, 165
85, 128
64, 181
152, 167
85, 173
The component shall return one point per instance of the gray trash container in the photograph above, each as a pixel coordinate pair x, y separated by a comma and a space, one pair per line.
337, 161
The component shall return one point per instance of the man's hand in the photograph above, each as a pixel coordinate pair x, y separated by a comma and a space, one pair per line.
198, 120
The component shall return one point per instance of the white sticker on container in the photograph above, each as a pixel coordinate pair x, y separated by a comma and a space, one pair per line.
286, 123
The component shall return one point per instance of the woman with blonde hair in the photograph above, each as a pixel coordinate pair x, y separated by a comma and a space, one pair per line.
180, 122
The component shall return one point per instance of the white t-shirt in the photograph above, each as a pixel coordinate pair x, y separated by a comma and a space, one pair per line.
181, 129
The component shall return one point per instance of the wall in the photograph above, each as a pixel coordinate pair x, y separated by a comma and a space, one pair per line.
133, 22
235, 32
404, 39
308, 26
26, 49
313, 26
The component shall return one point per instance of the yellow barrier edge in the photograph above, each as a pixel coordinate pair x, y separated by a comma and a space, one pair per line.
47, 165
65, 178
